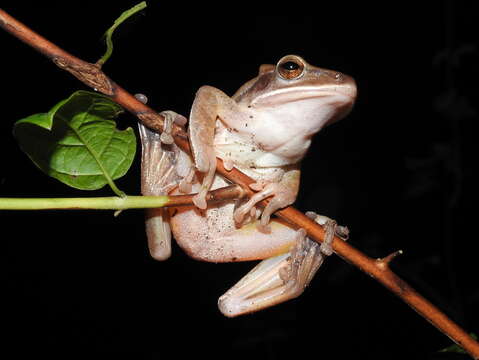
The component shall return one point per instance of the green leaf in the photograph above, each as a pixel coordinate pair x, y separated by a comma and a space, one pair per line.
77, 141
456, 348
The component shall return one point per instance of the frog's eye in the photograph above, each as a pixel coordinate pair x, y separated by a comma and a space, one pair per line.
290, 67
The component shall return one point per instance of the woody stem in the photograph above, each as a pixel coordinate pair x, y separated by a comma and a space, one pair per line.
91, 75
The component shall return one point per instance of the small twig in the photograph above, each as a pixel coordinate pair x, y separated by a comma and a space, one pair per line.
116, 202
91, 203
92, 76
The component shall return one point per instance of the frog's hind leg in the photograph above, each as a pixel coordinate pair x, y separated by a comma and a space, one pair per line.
158, 176
274, 280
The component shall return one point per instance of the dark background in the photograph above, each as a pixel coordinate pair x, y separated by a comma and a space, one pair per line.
399, 171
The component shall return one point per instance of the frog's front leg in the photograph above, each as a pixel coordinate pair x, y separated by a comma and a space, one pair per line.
209, 104
283, 192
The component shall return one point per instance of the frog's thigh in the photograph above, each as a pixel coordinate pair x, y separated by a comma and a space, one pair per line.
225, 243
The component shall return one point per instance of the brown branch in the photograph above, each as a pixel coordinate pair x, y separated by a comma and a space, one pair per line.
91, 75
214, 196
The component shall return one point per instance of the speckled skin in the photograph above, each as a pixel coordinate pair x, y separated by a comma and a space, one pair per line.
264, 130
211, 234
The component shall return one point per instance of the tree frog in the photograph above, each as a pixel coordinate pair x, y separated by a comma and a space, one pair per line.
264, 130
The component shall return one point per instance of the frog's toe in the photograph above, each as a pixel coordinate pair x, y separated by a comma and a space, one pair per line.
306, 258
257, 186
240, 213
184, 186
338, 230
274, 204
200, 201
280, 200
141, 98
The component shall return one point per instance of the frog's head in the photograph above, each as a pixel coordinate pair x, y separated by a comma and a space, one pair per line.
297, 89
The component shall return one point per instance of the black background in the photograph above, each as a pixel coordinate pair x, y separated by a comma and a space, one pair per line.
399, 171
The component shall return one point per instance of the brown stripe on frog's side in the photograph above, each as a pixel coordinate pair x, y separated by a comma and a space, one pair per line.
261, 83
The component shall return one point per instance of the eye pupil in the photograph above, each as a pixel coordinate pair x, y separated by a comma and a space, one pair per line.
290, 66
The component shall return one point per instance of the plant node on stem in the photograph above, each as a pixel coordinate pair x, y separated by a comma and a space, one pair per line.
381, 273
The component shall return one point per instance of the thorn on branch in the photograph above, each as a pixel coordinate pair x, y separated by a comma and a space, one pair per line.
383, 263
91, 75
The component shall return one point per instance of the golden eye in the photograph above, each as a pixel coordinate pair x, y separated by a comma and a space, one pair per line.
290, 68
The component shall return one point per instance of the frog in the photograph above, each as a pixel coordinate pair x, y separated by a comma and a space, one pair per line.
264, 130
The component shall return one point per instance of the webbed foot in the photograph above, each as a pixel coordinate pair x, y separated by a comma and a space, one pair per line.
274, 280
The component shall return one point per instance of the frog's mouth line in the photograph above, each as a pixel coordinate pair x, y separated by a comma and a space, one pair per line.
342, 95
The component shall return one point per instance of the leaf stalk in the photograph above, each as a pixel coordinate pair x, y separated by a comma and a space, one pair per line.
151, 119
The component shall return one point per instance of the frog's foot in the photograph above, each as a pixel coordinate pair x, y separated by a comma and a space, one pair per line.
274, 280
306, 258
200, 199
331, 228
170, 117
282, 197
158, 177
185, 183
340, 231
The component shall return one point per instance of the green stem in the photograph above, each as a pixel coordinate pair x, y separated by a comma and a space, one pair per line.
109, 43
98, 203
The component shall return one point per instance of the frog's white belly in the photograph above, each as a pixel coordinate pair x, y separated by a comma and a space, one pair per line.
211, 234
245, 151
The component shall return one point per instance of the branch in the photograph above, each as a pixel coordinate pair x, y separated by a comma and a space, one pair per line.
116, 202
91, 75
